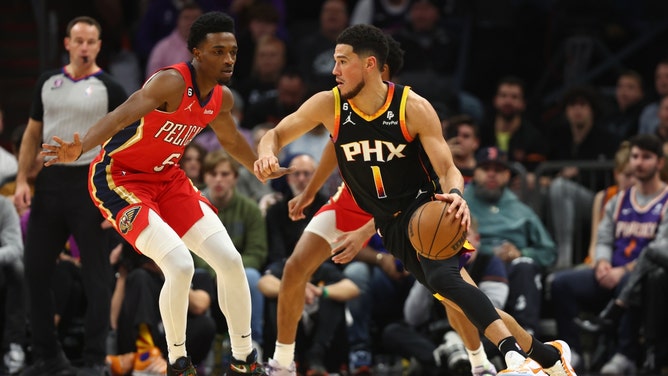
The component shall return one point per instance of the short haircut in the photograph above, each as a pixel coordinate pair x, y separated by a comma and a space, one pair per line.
216, 157
585, 94
395, 56
513, 81
211, 22
458, 120
366, 40
630, 73
83, 19
648, 142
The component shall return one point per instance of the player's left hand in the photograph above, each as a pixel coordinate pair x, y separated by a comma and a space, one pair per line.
64, 152
458, 203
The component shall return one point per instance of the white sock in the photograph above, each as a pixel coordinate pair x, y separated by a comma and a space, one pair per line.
477, 357
284, 354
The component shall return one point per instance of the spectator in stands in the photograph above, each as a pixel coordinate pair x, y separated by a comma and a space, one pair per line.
426, 42
243, 220
384, 285
12, 290
390, 16
624, 179
291, 94
191, 163
463, 139
649, 119
268, 62
579, 137
282, 232
173, 48
8, 161
662, 129
323, 322
262, 20
316, 49
629, 101
633, 223
509, 129
513, 232
158, 20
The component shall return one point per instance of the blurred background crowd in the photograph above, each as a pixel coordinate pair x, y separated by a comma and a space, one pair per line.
539, 96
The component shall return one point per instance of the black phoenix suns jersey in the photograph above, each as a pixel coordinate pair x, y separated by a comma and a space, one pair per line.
383, 166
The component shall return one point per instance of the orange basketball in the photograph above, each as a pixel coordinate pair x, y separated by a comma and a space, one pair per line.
435, 233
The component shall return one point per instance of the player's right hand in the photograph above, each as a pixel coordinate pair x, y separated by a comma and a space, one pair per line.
297, 205
265, 166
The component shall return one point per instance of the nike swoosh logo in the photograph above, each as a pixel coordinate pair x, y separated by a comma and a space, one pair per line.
180, 344
238, 368
245, 336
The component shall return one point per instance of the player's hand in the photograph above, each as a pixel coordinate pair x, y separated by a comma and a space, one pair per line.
349, 245
457, 203
64, 152
297, 205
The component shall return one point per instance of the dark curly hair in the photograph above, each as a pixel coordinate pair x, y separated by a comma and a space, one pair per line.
211, 22
366, 40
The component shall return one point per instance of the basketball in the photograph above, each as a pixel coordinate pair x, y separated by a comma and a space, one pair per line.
435, 233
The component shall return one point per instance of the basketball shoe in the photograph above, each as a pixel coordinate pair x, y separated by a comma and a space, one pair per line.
182, 367
487, 369
250, 366
563, 366
275, 369
517, 365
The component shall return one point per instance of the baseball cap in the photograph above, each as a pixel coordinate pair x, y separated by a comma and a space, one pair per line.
492, 155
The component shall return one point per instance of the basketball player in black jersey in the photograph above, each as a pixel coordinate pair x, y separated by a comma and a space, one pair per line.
393, 158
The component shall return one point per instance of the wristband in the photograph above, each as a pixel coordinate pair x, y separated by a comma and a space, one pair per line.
325, 293
456, 191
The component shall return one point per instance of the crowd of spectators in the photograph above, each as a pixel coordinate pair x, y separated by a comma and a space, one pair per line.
535, 147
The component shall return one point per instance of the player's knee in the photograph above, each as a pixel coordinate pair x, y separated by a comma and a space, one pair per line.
299, 268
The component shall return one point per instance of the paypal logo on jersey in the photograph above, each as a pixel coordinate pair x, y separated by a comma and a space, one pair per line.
389, 121
381, 151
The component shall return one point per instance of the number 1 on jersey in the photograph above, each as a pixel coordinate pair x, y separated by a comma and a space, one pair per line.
378, 181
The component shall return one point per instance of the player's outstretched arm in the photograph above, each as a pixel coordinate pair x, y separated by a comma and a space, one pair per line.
164, 88
319, 109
